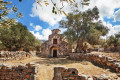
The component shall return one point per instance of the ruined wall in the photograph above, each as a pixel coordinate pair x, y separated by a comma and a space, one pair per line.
26, 72
65, 49
45, 49
61, 73
15, 55
99, 60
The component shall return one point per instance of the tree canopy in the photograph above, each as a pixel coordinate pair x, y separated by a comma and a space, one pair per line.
114, 40
84, 26
17, 37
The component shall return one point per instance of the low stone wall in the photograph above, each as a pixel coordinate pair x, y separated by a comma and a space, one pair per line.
26, 72
99, 60
61, 73
14, 55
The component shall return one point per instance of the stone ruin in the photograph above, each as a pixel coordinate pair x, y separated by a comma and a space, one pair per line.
55, 46
27, 72
99, 60
14, 55
61, 73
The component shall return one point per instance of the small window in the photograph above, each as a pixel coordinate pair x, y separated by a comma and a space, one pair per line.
54, 41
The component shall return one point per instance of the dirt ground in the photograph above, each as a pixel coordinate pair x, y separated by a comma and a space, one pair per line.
46, 66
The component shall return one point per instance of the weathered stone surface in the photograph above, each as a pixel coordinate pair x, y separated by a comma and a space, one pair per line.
17, 73
99, 60
14, 55
73, 71
57, 76
118, 74
58, 49
66, 74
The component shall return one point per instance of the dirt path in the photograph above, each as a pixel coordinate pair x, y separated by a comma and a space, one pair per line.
46, 66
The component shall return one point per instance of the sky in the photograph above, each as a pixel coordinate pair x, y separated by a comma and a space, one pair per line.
40, 20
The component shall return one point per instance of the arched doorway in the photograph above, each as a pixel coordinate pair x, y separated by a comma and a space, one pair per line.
54, 51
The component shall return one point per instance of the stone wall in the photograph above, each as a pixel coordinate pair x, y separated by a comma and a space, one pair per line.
99, 60
62, 47
61, 73
26, 72
14, 55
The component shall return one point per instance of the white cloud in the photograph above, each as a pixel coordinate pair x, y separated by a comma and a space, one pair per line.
106, 9
116, 28
117, 15
38, 27
45, 13
44, 36
62, 30
112, 29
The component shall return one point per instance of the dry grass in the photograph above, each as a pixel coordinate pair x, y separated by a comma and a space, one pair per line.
46, 66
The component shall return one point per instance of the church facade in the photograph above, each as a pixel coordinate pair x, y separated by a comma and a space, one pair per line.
55, 46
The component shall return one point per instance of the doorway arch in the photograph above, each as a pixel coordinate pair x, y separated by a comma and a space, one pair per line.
54, 51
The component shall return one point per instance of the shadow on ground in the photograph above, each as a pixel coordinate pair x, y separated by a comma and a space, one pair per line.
61, 61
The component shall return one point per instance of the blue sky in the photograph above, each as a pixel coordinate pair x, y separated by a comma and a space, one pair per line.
41, 21
26, 8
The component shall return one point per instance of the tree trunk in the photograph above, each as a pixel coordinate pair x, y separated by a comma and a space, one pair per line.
79, 46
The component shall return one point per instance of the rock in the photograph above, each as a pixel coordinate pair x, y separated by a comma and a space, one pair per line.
57, 76
90, 78
99, 60
73, 71
118, 74
17, 73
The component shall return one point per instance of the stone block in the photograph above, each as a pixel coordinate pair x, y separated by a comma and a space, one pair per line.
71, 78
17, 73
66, 74
73, 71
57, 76
60, 69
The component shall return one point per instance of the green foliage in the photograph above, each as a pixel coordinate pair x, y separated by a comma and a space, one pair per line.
4, 11
84, 26
17, 37
114, 40
37, 44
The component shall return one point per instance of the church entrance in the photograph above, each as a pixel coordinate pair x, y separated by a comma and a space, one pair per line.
54, 53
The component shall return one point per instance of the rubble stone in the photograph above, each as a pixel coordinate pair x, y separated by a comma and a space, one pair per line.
101, 61
60, 73
18, 72
14, 55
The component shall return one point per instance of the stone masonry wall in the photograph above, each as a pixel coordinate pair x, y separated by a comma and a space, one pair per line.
62, 47
14, 55
99, 60
18, 73
61, 73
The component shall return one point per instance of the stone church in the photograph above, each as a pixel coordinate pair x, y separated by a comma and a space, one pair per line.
55, 46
